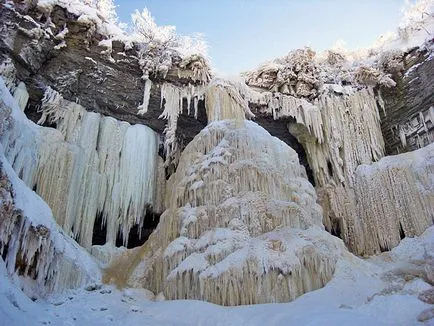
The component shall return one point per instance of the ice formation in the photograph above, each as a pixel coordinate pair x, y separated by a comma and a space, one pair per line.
21, 95
351, 136
226, 100
143, 108
390, 199
242, 224
340, 130
35, 250
89, 165
418, 131
172, 99
347, 136
42, 257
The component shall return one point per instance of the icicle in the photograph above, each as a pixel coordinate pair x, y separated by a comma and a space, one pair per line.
172, 97
172, 108
91, 164
21, 95
143, 108
50, 106
403, 137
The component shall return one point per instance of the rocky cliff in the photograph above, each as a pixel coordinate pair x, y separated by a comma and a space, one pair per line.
83, 71
407, 120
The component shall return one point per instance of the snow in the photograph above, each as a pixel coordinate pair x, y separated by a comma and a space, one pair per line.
354, 296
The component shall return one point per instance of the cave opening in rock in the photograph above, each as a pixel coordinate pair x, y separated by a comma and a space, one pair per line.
336, 228
279, 129
136, 237
401, 231
99, 236
5, 251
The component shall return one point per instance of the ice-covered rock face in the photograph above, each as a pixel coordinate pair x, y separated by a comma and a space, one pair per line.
242, 226
40, 257
89, 165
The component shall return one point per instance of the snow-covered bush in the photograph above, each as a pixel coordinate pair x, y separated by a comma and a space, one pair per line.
303, 72
294, 74
162, 49
392, 61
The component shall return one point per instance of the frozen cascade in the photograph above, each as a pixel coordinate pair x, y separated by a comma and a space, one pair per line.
91, 164
340, 131
352, 136
172, 98
44, 259
352, 140
240, 211
225, 100
371, 220
36, 252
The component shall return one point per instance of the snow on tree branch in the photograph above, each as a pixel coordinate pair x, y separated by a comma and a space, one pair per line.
145, 26
163, 49
416, 16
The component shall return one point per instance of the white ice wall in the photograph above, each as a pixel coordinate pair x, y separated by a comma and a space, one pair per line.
37, 252
90, 164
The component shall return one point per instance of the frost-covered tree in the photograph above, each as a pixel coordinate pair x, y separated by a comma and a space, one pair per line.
416, 14
107, 9
162, 48
145, 26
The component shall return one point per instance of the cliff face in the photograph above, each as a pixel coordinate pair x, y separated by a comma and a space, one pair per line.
408, 119
106, 82
109, 81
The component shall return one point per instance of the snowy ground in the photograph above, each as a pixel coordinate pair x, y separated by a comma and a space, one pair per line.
379, 291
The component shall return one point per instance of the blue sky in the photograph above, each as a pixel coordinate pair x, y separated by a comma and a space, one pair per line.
244, 33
